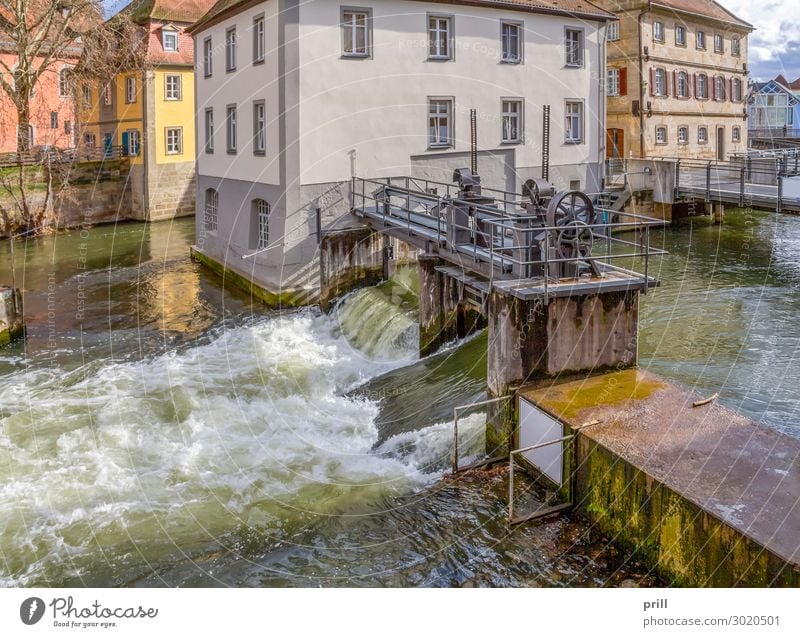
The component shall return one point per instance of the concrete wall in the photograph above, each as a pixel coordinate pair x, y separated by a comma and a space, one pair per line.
12, 325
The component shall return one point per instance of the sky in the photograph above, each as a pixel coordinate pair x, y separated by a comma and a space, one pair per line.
774, 45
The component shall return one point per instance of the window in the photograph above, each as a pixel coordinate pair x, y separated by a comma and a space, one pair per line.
737, 90
658, 31
700, 40
574, 45
90, 141
87, 95
107, 92
661, 135
660, 83
612, 82
736, 47
174, 141
211, 205
439, 37
512, 121
169, 39
63, 83
208, 58
259, 128
261, 214
683, 135
573, 125
130, 90
702, 135
259, 46
230, 49
511, 40
719, 88
209, 130
440, 125
736, 134
172, 88
230, 125
355, 33
53, 119
682, 84
701, 92
680, 35
612, 35
133, 142
67, 127
719, 43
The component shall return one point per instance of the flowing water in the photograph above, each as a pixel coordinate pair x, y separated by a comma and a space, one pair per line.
157, 429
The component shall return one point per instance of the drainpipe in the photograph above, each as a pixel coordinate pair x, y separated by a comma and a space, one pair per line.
602, 52
641, 82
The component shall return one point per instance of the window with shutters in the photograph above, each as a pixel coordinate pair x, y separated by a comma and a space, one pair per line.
660, 83
133, 142
736, 95
701, 91
682, 85
719, 88
612, 83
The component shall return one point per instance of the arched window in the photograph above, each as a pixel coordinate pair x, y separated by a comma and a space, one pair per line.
702, 135
737, 90
261, 210
719, 88
661, 135
683, 84
683, 135
702, 86
660, 87
210, 209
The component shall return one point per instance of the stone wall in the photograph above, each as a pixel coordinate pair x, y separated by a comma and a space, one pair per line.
11, 322
171, 191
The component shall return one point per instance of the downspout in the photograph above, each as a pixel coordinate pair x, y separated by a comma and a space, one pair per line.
602, 101
641, 83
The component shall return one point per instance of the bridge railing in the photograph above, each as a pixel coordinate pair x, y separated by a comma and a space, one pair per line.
503, 240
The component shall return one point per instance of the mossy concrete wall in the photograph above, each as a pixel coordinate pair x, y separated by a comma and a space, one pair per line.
444, 313
12, 325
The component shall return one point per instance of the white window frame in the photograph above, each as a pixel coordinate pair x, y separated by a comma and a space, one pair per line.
259, 127
719, 43
665, 136
208, 57
736, 46
573, 115
259, 39
435, 106
736, 92
702, 135
719, 83
108, 95
511, 32
231, 129
211, 210
682, 85
87, 95
612, 34
230, 49
660, 87
736, 134
612, 82
169, 34
513, 110
173, 93
208, 129
90, 140
658, 31
683, 134
133, 134
53, 119
130, 89
176, 142
679, 28
440, 48
63, 82
702, 81
574, 44
262, 210
350, 30
700, 40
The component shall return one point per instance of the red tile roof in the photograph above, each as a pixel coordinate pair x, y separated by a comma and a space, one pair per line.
706, 8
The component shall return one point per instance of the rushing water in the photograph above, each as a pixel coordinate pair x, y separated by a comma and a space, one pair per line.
158, 429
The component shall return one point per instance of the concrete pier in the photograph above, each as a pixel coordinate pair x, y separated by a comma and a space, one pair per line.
702, 494
529, 340
12, 325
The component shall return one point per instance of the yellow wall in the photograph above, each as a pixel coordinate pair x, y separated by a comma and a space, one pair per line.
174, 113
129, 116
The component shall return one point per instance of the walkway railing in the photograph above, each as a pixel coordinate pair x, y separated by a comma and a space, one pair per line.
62, 155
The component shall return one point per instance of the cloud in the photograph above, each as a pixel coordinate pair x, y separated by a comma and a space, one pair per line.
775, 44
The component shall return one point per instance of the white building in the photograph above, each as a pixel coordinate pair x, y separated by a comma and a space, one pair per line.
293, 99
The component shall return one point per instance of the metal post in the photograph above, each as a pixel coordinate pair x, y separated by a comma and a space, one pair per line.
708, 182
318, 212
455, 440
780, 193
676, 193
511, 487
741, 188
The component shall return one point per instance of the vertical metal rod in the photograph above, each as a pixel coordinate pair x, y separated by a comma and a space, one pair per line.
473, 140
708, 182
318, 212
491, 256
741, 188
510, 486
780, 193
676, 193
455, 440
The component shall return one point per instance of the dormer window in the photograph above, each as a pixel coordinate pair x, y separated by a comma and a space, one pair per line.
169, 38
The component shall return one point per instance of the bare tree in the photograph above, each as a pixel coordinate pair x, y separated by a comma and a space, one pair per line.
42, 36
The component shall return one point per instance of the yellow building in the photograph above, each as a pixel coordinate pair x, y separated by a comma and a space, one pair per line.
149, 115
676, 79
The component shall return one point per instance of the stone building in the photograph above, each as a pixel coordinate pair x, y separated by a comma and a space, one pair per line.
676, 79
150, 115
295, 98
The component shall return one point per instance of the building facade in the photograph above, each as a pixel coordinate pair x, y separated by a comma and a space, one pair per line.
676, 80
294, 99
149, 114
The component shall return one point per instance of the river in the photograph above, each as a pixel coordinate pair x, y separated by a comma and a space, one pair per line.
157, 429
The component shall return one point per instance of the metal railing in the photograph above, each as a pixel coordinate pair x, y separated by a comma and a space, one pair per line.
423, 208
773, 132
38, 156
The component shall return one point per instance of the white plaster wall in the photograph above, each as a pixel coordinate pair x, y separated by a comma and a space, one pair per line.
242, 87
377, 108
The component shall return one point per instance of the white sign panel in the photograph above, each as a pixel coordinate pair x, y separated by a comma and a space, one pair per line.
536, 427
